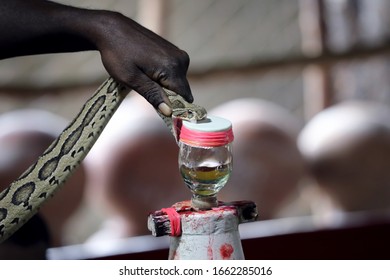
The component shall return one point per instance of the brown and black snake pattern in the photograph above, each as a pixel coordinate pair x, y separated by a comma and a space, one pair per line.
23, 198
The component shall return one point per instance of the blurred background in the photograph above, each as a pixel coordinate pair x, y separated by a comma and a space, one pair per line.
295, 57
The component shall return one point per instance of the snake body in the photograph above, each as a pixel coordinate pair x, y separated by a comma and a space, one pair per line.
23, 198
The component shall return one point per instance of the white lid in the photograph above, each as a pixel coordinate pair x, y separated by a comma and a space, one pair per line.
209, 124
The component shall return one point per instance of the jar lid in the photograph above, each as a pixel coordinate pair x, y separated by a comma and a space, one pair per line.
211, 132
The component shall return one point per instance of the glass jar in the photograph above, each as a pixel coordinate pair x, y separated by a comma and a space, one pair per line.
205, 158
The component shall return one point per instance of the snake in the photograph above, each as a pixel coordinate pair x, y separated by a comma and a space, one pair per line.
22, 199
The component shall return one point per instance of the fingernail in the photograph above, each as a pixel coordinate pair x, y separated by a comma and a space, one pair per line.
165, 109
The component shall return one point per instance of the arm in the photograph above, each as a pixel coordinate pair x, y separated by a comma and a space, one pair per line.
131, 54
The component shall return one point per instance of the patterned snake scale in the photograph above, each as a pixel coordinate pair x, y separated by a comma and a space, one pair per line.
23, 198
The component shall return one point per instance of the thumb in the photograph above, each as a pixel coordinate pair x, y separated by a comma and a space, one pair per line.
154, 94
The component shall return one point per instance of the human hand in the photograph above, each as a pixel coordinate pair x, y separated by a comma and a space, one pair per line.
132, 54
142, 60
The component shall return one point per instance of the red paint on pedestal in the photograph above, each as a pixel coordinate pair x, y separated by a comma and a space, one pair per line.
209, 252
226, 251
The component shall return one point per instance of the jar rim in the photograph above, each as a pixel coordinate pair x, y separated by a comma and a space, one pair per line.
210, 132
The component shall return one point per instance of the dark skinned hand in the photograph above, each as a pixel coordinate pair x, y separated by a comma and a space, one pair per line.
132, 54
152, 62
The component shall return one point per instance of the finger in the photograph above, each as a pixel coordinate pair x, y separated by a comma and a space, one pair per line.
153, 93
179, 86
165, 109
173, 75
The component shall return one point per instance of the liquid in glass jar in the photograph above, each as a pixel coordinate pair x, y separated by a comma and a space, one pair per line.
205, 159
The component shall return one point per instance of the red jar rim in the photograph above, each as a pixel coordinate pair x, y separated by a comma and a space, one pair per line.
211, 132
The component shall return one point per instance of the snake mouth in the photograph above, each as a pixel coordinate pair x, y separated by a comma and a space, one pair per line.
187, 115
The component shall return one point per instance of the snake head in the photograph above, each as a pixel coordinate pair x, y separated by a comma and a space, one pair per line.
181, 109
193, 113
